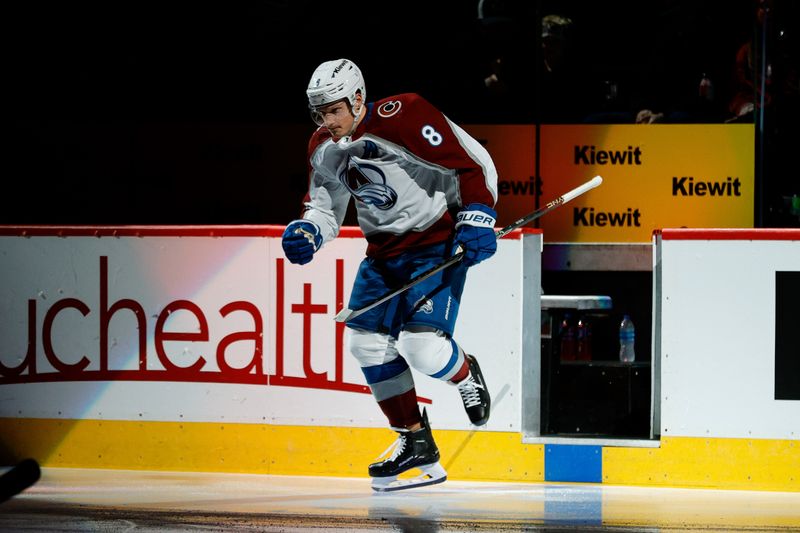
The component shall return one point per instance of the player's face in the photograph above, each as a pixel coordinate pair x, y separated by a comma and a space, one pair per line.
337, 118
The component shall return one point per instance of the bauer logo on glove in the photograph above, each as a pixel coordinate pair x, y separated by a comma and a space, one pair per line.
475, 233
475, 218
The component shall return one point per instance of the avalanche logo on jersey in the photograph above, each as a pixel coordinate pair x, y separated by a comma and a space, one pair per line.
368, 182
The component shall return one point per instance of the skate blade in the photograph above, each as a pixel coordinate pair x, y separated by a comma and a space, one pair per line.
431, 475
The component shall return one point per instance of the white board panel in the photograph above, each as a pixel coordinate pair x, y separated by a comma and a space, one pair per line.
718, 338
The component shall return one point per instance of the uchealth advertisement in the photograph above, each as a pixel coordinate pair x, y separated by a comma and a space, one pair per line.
170, 324
654, 176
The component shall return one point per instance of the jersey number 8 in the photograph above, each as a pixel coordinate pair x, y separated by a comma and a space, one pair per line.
431, 135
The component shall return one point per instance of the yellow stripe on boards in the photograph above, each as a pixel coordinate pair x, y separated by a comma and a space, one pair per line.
255, 448
751, 464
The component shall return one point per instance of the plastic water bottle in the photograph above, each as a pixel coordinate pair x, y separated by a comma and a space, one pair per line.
627, 335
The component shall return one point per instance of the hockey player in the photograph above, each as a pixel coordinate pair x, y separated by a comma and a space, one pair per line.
421, 187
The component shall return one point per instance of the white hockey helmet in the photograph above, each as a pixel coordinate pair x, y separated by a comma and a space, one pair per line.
333, 81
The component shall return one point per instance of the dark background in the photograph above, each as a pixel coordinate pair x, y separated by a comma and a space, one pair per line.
195, 112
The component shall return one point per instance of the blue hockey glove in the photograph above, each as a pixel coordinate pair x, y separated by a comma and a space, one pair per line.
300, 240
475, 233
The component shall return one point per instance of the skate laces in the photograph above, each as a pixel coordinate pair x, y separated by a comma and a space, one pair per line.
396, 448
469, 392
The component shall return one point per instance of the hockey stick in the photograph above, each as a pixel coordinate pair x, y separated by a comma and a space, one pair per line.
346, 314
18, 478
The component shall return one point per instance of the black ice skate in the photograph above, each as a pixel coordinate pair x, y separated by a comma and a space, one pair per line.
411, 450
474, 394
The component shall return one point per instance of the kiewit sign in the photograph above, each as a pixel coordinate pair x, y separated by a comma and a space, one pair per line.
654, 176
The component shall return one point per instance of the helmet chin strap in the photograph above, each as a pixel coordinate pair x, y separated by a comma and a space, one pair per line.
356, 118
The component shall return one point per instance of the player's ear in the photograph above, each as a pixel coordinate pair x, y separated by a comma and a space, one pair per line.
359, 103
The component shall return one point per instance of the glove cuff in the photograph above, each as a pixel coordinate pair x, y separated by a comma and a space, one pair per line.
478, 215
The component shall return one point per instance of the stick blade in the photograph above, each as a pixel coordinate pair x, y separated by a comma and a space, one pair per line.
343, 315
19, 478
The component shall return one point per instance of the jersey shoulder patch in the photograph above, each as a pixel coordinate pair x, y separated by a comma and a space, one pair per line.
406, 119
398, 105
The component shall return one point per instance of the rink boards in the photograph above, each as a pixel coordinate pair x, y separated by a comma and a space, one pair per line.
203, 349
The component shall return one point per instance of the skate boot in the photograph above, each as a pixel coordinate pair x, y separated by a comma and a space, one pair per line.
411, 450
474, 394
